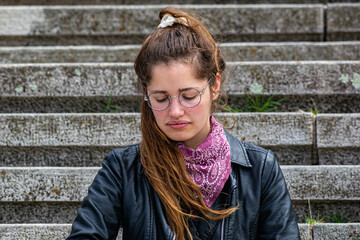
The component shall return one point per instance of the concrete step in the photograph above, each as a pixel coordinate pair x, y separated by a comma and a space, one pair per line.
340, 26
23, 191
323, 86
36, 231
278, 51
129, 24
328, 231
338, 138
69, 184
335, 231
59, 139
61, 231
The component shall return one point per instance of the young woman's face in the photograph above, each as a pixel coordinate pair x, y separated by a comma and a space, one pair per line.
177, 122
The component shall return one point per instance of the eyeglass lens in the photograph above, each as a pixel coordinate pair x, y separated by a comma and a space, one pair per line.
188, 98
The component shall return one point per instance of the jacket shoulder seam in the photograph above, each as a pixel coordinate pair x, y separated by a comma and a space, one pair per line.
256, 149
128, 150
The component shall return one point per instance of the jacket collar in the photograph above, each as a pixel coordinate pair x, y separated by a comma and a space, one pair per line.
238, 152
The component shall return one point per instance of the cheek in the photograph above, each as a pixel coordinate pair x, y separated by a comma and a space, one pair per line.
159, 116
202, 110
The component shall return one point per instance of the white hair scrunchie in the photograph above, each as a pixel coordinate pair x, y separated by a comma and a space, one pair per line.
168, 20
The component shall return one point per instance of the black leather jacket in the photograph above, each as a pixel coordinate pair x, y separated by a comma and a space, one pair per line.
121, 195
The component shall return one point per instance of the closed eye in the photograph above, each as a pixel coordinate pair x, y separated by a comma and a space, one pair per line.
188, 97
161, 100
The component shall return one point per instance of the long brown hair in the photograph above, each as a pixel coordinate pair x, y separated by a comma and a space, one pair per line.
164, 165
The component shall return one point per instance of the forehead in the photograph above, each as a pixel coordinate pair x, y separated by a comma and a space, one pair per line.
173, 77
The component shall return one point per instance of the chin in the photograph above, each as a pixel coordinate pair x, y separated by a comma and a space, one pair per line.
177, 137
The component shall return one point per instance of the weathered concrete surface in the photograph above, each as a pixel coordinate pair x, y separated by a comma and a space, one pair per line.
338, 138
270, 129
70, 129
61, 231
38, 212
70, 184
306, 85
338, 130
343, 21
50, 80
328, 103
87, 87
65, 212
63, 104
133, 23
348, 103
279, 78
85, 156
286, 128
326, 231
323, 182
37, 231
339, 156
289, 51
34, 231
296, 78
305, 231
88, 156
45, 184
69, 54
60, 139
293, 155
335, 231
83, 139
348, 211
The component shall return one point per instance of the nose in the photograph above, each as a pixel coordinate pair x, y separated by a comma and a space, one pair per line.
176, 109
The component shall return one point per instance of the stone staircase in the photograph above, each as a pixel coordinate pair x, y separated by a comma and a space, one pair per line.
64, 68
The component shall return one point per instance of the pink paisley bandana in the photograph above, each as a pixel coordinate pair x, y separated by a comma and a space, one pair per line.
209, 165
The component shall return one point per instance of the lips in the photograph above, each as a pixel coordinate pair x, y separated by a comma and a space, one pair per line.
178, 124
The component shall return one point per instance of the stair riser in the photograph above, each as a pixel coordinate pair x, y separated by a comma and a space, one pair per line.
231, 51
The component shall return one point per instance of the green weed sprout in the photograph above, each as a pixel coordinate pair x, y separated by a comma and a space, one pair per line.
257, 101
312, 220
110, 108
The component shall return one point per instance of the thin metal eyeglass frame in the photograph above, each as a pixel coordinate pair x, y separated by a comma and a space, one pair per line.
178, 96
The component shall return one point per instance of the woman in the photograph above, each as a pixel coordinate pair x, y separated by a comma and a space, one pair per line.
189, 178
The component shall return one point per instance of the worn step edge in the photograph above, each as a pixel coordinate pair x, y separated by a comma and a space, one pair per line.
335, 231
268, 51
70, 184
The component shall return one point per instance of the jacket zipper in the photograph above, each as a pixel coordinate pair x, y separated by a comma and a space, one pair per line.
152, 200
223, 220
222, 229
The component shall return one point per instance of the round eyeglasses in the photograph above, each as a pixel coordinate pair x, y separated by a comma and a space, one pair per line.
188, 97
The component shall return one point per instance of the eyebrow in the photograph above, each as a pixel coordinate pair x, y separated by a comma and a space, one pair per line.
165, 92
